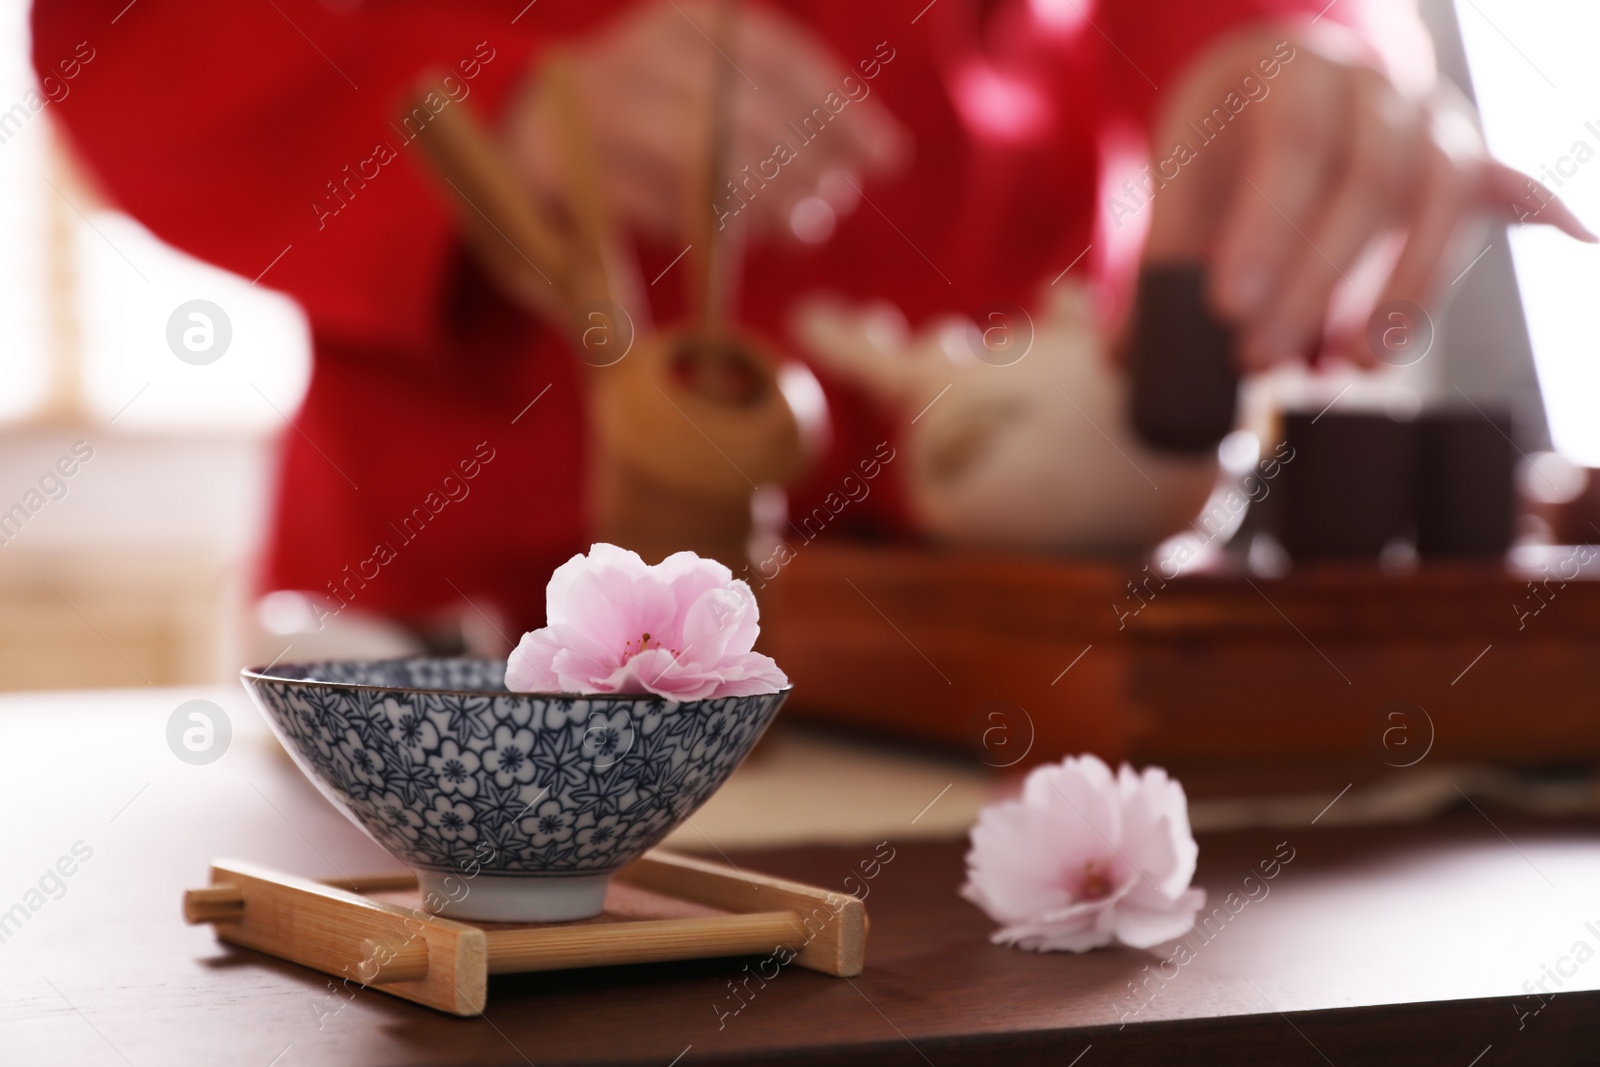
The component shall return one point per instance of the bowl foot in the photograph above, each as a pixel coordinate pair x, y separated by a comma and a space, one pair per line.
514, 899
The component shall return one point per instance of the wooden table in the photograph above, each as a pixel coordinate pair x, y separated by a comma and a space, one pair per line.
1406, 945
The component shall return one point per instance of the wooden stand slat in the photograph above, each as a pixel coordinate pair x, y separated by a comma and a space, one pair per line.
336, 931
217, 903
651, 941
831, 926
374, 883
662, 907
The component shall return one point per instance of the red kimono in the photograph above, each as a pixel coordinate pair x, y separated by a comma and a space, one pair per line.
260, 134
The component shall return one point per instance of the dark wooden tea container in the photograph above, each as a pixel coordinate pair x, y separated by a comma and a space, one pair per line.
1465, 483
1345, 489
1184, 387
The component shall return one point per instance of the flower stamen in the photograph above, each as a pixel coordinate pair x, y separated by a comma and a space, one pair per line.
1096, 884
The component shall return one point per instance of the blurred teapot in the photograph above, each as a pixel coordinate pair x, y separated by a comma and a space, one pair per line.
1015, 435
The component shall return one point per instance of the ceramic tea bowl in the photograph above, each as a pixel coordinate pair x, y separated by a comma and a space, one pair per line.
512, 807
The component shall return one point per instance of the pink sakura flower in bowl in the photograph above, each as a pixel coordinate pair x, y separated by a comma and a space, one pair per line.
1084, 857
683, 629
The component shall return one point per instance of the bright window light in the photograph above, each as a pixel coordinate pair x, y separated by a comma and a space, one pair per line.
132, 285
1538, 87
24, 374
63, 257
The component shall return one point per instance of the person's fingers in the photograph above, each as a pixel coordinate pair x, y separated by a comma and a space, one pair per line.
648, 204
1288, 166
638, 108
1444, 200
776, 173
1518, 198
1378, 178
870, 140
1454, 191
766, 172
776, 76
642, 155
648, 85
803, 80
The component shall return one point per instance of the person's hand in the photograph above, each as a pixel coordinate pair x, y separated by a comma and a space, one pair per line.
645, 82
1324, 191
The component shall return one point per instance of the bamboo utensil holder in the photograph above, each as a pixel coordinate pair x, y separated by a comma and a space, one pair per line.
687, 421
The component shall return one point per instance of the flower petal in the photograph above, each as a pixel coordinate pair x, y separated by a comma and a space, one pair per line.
750, 674
720, 623
1083, 785
558, 594
530, 668
1015, 865
1139, 928
658, 671
1156, 832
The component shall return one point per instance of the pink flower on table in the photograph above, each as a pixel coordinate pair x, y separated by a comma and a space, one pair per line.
682, 629
1085, 857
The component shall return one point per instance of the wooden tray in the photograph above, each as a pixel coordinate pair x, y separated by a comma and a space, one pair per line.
374, 932
1023, 659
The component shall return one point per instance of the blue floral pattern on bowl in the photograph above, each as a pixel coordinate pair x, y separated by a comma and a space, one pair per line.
445, 768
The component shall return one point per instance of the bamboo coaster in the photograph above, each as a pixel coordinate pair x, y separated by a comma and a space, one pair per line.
661, 907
